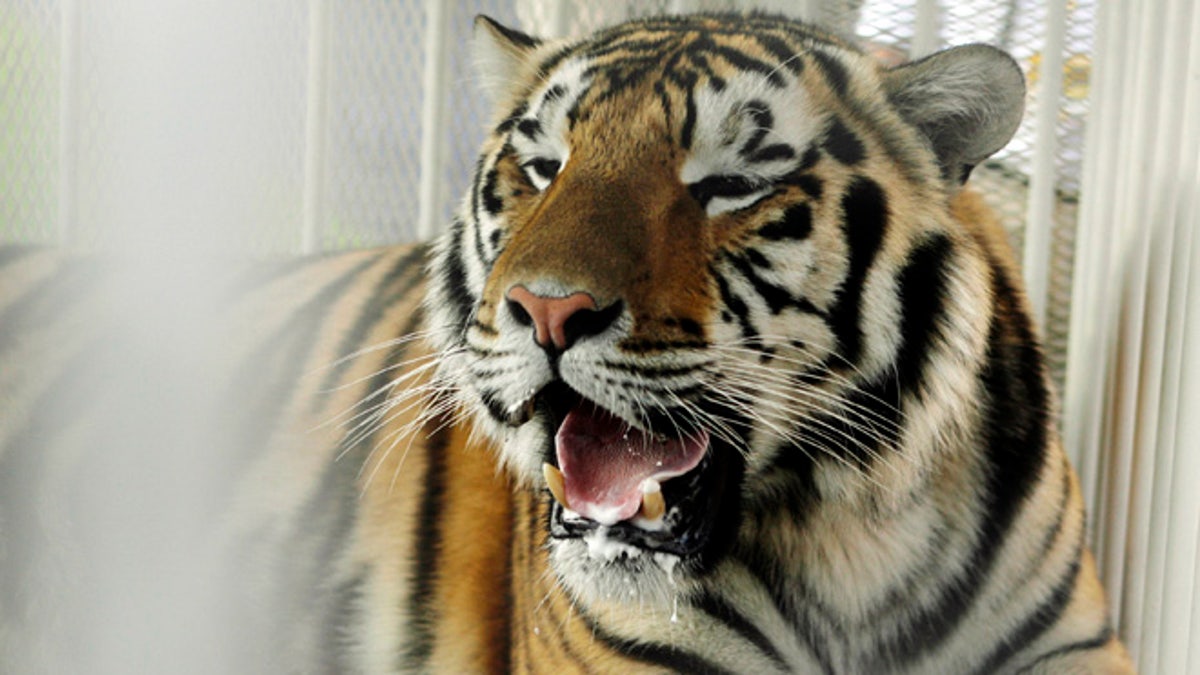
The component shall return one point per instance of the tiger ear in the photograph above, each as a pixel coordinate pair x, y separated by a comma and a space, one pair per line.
967, 101
499, 53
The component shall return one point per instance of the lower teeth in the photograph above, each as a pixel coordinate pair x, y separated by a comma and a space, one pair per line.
554, 481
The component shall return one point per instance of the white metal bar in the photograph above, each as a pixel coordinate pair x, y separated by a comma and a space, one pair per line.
1136, 413
1193, 644
433, 121
68, 124
1181, 608
1089, 339
1127, 279
1155, 228
1177, 618
315, 126
926, 36
1172, 594
1043, 179
1160, 380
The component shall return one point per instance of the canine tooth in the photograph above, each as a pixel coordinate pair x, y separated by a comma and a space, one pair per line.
554, 480
653, 504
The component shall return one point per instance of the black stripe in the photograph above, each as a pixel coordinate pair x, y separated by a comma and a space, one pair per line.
392, 288
1103, 638
1060, 514
711, 187
477, 188
654, 653
777, 298
516, 37
689, 118
722, 611
843, 144
744, 61
24, 457
553, 94
833, 70
739, 310
775, 152
756, 258
864, 222
799, 497
509, 122
551, 62
716, 82
266, 378
529, 128
453, 277
309, 558
645, 346
427, 549
492, 203
1015, 418
812, 186
10, 253
763, 122
265, 272
922, 298
651, 371
796, 224
809, 159
485, 198
636, 46
664, 100
50, 299
869, 423
340, 623
781, 50
1037, 622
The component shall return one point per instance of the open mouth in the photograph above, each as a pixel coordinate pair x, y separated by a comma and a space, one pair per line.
657, 491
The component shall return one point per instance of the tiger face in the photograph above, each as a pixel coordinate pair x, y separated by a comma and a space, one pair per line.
698, 277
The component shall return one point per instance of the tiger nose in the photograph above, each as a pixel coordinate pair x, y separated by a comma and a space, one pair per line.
558, 322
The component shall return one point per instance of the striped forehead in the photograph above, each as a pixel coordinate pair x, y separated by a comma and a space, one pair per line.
748, 127
716, 92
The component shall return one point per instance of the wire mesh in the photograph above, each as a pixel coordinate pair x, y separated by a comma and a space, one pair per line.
472, 111
374, 132
30, 36
60, 112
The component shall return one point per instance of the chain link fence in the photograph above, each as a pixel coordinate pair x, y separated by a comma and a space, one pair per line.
364, 117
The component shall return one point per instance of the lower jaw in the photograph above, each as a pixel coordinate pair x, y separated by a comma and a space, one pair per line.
703, 515
632, 577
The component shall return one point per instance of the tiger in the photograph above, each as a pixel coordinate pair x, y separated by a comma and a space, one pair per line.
720, 367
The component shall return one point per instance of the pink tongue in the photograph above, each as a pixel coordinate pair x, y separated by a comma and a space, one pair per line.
605, 462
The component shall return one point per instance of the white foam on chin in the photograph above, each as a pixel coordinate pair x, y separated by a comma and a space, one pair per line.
600, 547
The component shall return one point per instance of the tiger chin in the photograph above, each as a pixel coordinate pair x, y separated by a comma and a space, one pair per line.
756, 362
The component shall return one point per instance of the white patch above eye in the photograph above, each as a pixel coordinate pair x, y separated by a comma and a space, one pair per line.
540, 135
718, 205
750, 132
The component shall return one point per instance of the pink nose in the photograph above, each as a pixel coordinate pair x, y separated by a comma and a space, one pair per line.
549, 316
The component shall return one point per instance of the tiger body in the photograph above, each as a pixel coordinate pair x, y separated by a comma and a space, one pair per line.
736, 241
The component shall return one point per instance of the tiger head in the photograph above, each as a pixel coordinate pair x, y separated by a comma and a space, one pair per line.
699, 277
